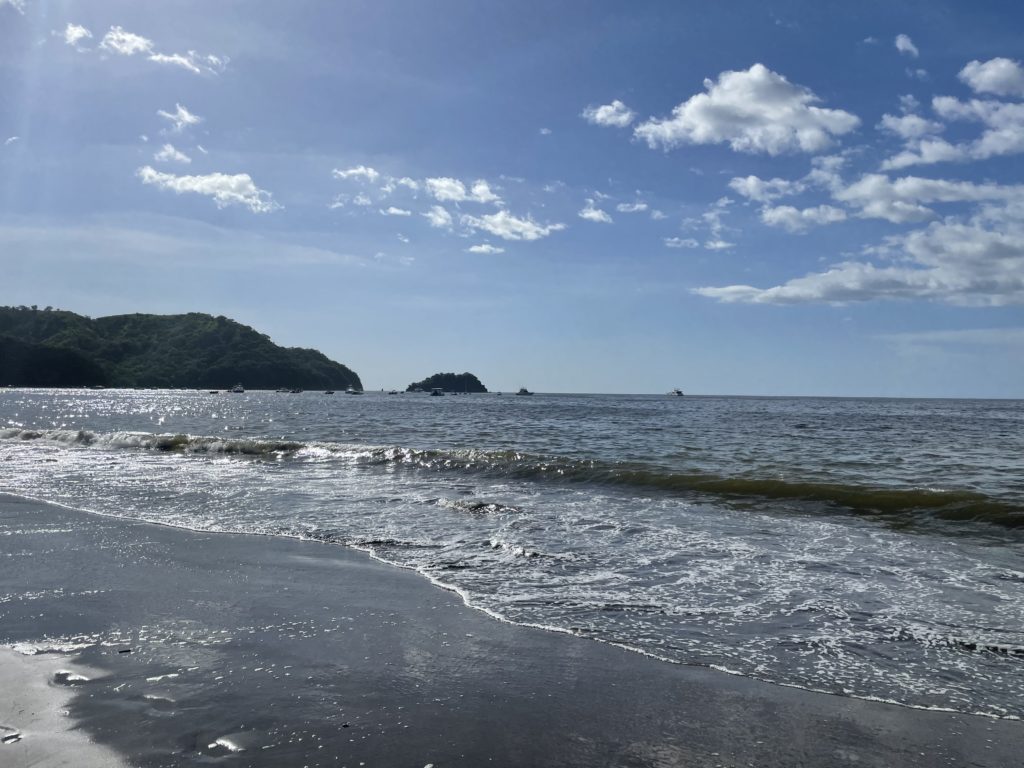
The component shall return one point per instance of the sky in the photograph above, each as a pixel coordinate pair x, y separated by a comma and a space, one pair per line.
761, 198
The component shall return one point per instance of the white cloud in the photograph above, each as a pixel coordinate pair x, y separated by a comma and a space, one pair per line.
225, 189
658, 215
979, 262
1002, 134
917, 74
168, 154
590, 213
393, 211
75, 33
1003, 77
956, 263
680, 242
508, 227
764, 190
439, 217
486, 248
902, 200
358, 172
408, 183
925, 152
192, 61
718, 245
798, 220
637, 207
180, 119
906, 46
362, 200
18, 5
545, 131
10, 140
756, 110
909, 126
615, 115
125, 43
445, 189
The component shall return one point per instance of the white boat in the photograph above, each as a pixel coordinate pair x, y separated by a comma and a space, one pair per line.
238, 389
676, 393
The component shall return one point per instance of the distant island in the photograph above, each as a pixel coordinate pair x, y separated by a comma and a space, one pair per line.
449, 382
54, 348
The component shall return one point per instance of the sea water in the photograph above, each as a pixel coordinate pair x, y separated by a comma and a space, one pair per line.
864, 547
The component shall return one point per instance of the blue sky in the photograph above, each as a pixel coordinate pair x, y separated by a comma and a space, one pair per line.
735, 198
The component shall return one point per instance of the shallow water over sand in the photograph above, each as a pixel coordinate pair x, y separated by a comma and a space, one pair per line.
865, 547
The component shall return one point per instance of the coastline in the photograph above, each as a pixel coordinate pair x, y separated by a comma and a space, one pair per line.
212, 647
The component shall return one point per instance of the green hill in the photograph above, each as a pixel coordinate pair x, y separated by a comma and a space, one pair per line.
193, 350
449, 382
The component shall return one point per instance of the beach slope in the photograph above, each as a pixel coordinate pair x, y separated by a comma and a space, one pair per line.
205, 648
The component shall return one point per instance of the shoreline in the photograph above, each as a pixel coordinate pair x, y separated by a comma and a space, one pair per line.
291, 650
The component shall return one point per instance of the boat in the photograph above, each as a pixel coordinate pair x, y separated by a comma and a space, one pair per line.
524, 391
328, 391
393, 392
350, 390
676, 393
437, 392
238, 389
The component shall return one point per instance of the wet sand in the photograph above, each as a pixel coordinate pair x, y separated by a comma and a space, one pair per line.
259, 651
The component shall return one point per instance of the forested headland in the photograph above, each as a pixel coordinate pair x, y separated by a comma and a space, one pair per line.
55, 348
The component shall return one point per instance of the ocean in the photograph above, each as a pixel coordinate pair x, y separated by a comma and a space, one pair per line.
869, 548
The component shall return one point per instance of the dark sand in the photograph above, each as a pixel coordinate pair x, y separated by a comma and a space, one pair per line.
308, 654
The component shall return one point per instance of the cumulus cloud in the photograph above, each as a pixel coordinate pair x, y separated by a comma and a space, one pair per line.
1002, 133
225, 189
799, 220
680, 242
1003, 77
118, 41
909, 126
764, 190
445, 189
358, 172
508, 227
180, 119
393, 211
755, 110
906, 46
75, 33
168, 154
637, 207
592, 213
486, 248
903, 200
439, 217
614, 115
957, 263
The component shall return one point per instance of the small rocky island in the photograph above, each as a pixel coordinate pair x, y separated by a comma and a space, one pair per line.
449, 382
